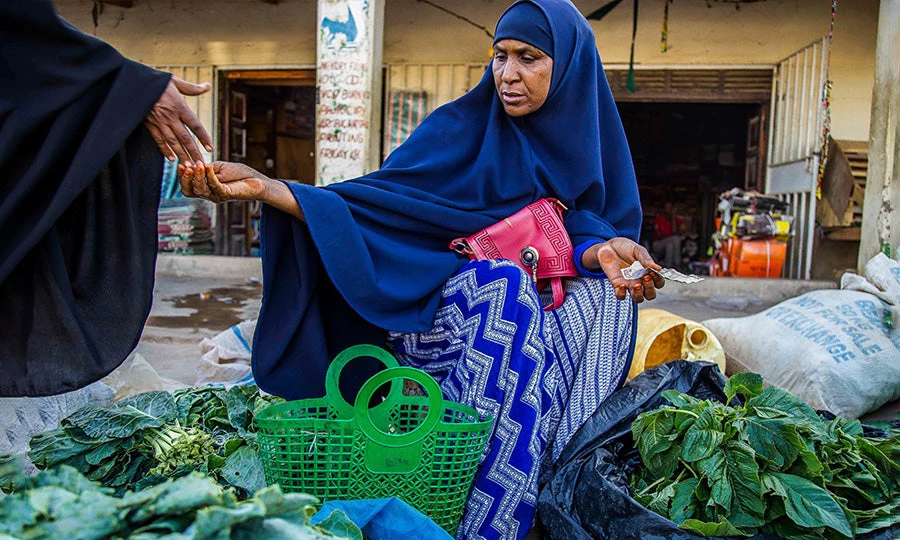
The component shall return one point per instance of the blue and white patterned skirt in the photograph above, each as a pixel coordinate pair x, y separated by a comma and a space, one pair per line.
540, 374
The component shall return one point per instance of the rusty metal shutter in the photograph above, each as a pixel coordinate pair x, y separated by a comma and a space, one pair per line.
693, 85
446, 82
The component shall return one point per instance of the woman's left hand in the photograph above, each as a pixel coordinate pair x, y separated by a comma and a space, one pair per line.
614, 255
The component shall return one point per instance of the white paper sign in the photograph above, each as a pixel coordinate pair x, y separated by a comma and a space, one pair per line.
344, 89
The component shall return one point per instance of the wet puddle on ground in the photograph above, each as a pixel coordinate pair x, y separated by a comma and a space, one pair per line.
216, 308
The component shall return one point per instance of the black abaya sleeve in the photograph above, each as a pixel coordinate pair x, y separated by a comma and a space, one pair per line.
80, 180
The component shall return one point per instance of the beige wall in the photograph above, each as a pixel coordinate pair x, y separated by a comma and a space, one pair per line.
240, 32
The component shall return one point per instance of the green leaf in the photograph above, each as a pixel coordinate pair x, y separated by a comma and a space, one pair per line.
663, 464
66, 478
159, 404
807, 504
134, 467
284, 504
338, 524
108, 449
850, 427
16, 514
117, 421
185, 494
783, 527
734, 481
214, 462
774, 402
238, 401
659, 501
654, 434
90, 515
775, 439
653, 430
678, 399
700, 444
878, 518
53, 447
747, 384
684, 500
220, 520
243, 469
703, 437
721, 528
808, 466
884, 454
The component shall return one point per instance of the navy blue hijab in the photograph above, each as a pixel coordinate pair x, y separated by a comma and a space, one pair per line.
373, 256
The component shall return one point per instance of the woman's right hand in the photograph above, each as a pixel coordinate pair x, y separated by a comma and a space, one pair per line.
223, 181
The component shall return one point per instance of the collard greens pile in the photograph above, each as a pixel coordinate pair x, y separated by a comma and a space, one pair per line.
149, 438
61, 503
771, 465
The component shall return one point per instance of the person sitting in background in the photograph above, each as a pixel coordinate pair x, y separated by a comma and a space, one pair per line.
667, 237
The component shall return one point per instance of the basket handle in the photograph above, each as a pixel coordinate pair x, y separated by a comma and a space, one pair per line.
435, 406
333, 375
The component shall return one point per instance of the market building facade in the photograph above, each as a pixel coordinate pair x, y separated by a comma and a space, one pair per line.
321, 90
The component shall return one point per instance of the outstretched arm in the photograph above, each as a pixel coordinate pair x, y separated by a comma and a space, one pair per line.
225, 181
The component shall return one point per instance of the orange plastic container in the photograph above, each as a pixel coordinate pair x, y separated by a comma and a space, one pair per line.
751, 258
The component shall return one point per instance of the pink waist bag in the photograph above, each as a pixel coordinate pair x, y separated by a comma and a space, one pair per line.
535, 239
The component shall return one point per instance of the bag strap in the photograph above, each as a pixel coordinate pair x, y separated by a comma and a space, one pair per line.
559, 294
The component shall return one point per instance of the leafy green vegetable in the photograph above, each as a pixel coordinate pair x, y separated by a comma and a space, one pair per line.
771, 466
61, 503
721, 528
807, 504
747, 384
149, 438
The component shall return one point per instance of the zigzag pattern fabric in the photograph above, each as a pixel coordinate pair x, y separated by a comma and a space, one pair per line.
539, 374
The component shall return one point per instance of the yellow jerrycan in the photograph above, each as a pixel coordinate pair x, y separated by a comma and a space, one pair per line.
663, 336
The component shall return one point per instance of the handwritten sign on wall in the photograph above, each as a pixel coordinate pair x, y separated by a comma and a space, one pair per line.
345, 81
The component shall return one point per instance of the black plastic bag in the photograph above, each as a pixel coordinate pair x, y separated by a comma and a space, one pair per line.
586, 495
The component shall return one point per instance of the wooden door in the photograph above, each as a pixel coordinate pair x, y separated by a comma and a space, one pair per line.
232, 227
755, 163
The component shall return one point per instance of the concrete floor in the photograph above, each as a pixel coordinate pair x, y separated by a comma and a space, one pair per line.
186, 310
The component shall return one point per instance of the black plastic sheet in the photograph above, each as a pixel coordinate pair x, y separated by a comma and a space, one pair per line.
586, 494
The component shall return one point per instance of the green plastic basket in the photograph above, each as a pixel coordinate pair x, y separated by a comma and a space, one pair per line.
424, 450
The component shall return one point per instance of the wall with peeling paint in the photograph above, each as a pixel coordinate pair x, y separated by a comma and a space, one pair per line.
250, 32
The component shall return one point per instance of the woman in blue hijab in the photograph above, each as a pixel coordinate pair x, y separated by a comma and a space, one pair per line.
366, 260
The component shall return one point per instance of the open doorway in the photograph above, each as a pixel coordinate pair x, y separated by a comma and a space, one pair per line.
266, 120
686, 154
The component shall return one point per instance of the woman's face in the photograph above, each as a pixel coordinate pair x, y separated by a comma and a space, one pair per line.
522, 75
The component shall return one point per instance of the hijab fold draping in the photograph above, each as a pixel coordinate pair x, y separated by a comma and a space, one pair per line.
382, 238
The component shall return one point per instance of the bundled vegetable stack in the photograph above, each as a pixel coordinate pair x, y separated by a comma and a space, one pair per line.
62, 503
771, 465
149, 438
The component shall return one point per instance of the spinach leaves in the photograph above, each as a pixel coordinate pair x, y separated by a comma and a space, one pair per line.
771, 465
149, 438
61, 503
